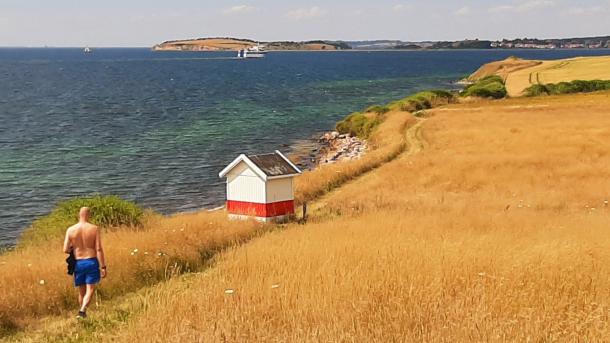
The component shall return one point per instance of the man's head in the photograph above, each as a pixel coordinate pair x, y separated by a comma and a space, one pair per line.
84, 214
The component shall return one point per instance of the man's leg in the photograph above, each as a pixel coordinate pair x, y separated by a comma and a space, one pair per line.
82, 290
87, 297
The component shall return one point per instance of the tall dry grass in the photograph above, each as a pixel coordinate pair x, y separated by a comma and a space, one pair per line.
497, 231
34, 282
166, 246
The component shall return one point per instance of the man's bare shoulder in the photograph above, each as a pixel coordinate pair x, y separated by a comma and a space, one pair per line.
71, 228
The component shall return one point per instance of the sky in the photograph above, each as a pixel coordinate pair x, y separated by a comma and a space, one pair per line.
138, 23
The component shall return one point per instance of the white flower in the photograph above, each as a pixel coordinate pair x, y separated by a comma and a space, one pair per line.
275, 286
29, 265
41, 282
229, 291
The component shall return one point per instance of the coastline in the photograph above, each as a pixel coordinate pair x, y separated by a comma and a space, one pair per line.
327, 148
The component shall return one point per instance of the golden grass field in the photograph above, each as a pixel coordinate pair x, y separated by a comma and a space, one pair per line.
520, 74
493, 227
164, 248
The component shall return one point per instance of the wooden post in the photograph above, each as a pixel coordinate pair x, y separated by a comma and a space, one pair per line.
304, 211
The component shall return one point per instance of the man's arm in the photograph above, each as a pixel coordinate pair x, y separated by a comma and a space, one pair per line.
100, 251
67, 245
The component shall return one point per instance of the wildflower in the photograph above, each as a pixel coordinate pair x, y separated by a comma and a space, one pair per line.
135, 251
29, 265
146, 253
482, 274
275, 286
229, 291
41, 282
606, 203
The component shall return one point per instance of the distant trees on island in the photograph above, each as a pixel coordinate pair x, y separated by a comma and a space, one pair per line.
520, 43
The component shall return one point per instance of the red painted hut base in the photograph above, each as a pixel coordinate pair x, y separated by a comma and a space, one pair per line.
274, 209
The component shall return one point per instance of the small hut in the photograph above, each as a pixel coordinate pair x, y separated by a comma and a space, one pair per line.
261, 187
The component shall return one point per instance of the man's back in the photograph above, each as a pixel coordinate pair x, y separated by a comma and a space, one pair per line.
83, 240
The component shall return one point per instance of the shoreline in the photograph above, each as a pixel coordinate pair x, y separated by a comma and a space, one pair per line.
327, 147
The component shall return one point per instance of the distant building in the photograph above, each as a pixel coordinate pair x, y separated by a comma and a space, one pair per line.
261, 187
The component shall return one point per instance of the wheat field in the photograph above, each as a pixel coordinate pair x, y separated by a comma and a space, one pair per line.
579, 68
496, 231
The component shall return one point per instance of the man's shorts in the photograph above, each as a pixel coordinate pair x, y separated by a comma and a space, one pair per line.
87, 272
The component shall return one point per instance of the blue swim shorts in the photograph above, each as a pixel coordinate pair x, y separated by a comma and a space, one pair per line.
87, 272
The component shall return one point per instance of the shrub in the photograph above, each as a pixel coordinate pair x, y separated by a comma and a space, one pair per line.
424, 100
106, 211
577, 86
358, 124
537, 90
377, 109
488, 87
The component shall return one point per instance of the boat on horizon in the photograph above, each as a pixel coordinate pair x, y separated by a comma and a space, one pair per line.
87, 50
256, 51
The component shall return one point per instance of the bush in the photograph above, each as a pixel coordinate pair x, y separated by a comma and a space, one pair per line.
377, 109
488, 87
362, 124
358, 124
424, 100
106, 211
577, 86
537, 90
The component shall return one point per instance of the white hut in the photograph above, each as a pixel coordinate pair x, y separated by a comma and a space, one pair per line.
261, 186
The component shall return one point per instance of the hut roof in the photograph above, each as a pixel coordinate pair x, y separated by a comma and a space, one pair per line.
274, 164
267, 166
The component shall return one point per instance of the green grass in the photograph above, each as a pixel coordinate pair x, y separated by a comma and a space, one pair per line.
577, 86
106, 211
423, 100
488, 87
379, 109
359, 124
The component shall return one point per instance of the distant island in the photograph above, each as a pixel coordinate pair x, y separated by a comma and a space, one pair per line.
233, 44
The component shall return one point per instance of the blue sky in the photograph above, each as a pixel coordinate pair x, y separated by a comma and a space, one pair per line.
146, 22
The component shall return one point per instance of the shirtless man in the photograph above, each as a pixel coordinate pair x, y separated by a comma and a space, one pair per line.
84, 239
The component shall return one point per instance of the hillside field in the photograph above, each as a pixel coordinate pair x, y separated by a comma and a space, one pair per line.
520, 74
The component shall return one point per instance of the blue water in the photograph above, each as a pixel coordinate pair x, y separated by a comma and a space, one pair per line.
157, 128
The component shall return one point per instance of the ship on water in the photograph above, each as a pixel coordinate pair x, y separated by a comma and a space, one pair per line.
256, 51
87, 50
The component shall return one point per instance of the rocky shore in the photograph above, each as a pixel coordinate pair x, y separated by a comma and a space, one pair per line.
331, 147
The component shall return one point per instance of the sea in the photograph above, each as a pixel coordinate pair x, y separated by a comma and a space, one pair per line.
157, 127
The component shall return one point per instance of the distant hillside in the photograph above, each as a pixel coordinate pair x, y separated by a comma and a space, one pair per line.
520, 74
520, 43
233, 44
